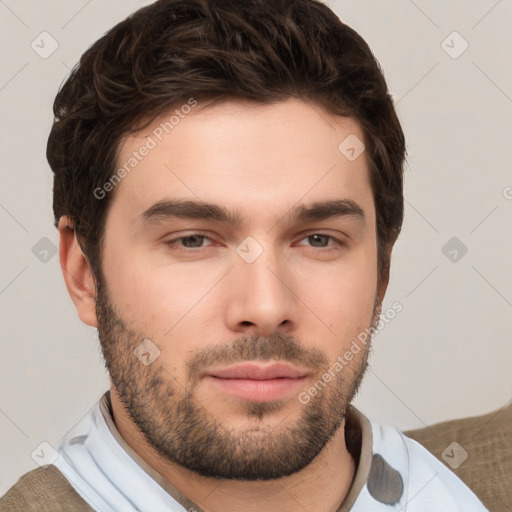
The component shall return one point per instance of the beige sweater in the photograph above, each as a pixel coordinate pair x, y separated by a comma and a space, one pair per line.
43, 490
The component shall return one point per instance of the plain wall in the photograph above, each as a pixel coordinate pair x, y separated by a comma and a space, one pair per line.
446, 355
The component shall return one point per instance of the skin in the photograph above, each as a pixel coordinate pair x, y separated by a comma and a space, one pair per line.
302, 301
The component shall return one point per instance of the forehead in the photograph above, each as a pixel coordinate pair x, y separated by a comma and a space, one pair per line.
258, 159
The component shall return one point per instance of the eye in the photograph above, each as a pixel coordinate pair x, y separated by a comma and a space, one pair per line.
320, 240
194, 242
188, 243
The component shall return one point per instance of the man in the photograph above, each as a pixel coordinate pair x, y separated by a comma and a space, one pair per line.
228, 190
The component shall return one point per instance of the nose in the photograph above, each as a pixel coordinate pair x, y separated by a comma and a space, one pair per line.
260, 296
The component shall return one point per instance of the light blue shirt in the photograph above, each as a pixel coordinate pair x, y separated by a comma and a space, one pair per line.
394, 472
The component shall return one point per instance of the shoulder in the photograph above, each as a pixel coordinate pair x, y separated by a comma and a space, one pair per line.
424, 480
43, 489
478, 449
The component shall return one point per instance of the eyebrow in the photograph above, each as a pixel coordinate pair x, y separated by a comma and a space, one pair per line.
192, 209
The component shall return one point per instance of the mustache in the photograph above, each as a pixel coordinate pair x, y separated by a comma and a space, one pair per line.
280, 347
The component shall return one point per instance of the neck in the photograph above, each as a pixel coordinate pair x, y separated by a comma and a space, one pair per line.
320, 486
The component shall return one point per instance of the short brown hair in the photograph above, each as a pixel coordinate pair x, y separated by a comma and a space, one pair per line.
258, 50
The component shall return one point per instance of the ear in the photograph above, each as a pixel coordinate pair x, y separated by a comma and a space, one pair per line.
384, 281
77, 273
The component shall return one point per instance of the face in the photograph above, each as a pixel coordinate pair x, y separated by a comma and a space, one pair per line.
219, 322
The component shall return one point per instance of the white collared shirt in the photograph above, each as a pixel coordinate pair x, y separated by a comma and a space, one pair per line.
394, 473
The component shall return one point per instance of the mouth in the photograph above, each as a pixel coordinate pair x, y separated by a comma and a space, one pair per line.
257, 382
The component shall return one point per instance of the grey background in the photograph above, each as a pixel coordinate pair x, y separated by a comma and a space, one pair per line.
446, 355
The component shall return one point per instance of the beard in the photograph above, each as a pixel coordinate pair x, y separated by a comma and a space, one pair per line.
181, 430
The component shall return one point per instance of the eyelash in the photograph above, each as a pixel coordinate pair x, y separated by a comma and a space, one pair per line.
173, 243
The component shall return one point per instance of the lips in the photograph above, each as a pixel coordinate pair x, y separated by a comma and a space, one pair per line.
259, 372
257, 382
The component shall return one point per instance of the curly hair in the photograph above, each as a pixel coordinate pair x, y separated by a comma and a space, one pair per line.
258, 50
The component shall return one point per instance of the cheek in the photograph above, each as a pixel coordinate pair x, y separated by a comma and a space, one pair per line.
164, 303
140, 294
342, 295
346, 310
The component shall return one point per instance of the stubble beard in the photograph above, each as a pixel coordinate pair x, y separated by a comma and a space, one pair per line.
182, 431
